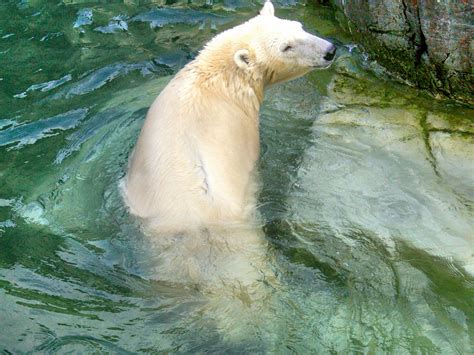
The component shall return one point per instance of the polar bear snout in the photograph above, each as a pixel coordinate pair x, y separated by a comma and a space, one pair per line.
319, 52
330, 53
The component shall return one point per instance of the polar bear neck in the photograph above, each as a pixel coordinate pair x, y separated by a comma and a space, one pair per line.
240, 87
215, 69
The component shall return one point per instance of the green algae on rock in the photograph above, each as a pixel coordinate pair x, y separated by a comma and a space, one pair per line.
427, 43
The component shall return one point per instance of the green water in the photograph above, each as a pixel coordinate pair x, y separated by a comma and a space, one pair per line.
367, 194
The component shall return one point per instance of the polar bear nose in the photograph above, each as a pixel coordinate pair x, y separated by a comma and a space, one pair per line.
330, 53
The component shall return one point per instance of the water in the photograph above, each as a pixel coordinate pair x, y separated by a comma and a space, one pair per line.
367, 195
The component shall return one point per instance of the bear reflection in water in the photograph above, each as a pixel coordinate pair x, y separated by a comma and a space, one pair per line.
191, 177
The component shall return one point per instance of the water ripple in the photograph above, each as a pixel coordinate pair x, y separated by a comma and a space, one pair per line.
80, 344
166, 16
118, 23
84, 17
77, 138
30, 133
47, 86
102, 76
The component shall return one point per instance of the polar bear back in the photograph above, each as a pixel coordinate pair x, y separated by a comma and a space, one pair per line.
192, 138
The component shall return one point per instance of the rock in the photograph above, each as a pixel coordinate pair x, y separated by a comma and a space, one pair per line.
425, 42
391, 166
451, 140
449, 122
453, 153
372, 173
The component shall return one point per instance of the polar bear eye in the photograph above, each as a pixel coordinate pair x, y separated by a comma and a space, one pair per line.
287, 48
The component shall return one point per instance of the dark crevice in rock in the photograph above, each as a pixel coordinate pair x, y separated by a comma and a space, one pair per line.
412, 37
445, 59
422, 46
426, 139
416, 37
374, 29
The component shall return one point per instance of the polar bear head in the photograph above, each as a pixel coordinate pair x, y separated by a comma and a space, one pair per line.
270, 49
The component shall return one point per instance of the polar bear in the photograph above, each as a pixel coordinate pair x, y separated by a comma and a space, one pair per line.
193, 164
191, 177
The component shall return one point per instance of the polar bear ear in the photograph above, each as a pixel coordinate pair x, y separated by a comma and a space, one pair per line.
242, 58
268, 9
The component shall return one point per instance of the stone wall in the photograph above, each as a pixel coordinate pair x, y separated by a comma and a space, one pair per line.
427, 42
